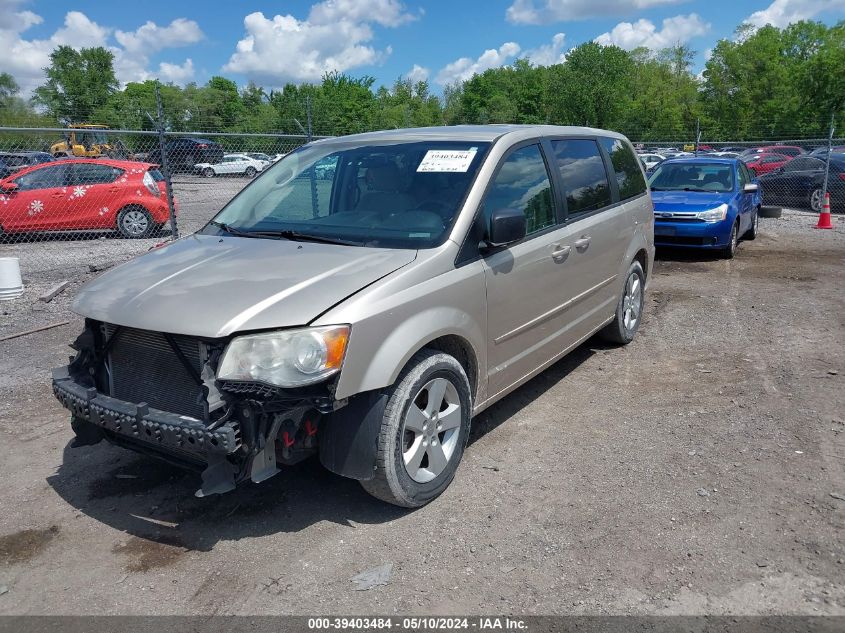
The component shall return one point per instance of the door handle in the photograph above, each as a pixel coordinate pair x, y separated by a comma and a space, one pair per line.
560, 253
583, 243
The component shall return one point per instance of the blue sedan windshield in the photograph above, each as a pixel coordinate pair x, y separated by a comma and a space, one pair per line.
696, 177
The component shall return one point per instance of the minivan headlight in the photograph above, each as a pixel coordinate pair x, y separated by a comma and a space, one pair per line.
714, 215
287, 358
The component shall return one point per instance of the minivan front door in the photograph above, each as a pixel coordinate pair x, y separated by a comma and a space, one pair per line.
529, 284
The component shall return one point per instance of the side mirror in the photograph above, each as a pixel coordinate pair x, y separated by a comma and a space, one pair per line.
506, 226
750, 187
9, 188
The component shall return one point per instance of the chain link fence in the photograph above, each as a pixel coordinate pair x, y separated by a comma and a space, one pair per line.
79, 200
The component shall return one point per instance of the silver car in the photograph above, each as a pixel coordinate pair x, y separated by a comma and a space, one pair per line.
365, 316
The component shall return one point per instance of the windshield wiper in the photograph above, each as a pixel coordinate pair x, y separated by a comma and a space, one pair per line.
697, 190
231, 229
296, 236
286, 234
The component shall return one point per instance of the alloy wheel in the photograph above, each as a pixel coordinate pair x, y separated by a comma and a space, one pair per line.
135, 222
632, 302
431, 429
816, 200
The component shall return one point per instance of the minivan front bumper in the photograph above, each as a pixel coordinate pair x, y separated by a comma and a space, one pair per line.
140, 424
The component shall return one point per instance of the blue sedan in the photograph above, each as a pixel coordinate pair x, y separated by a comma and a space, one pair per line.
704, 202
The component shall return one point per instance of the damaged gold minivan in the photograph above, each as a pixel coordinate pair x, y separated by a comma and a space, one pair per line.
362, 300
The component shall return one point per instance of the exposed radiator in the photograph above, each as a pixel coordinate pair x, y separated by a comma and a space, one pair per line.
144, 368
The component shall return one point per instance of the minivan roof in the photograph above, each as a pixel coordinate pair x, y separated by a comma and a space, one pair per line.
480, 133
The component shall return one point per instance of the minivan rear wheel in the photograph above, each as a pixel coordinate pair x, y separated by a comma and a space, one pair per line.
424, 431
629, 309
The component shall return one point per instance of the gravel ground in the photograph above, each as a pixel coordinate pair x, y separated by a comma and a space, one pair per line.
697, 471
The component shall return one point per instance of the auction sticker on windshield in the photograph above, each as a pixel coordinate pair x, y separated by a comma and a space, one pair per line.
447, 160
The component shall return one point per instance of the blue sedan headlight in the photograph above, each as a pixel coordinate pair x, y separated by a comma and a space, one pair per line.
714, 215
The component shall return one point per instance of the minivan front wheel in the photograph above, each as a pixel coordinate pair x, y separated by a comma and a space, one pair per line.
629, 309
424, 431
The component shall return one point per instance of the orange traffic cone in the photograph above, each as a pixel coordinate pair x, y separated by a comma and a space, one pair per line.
824, 216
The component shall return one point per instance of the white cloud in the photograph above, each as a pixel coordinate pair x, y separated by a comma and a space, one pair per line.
25, 58
176, 73
383, 12
334, 36
150, 37
784, 12
527, 12
465, 67
629, 36
418, 73
548, 54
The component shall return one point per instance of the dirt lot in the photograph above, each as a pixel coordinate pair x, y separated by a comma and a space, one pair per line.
699, 470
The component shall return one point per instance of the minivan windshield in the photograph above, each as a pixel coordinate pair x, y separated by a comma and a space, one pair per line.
394, 194
712, 177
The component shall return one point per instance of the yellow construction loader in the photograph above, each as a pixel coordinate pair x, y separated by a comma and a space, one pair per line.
89, 140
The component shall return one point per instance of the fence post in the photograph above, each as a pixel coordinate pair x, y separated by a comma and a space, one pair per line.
174, 229
827, 162
697, 135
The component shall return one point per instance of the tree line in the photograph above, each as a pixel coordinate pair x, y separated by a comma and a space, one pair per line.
763, 83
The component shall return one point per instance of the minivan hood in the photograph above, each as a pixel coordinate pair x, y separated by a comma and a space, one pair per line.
692, 201
212, 286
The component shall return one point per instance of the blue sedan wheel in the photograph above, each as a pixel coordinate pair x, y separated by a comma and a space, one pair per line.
730, 250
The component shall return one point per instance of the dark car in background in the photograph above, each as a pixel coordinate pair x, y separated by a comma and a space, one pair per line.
823, 150
184, 153
799, 183
18, 160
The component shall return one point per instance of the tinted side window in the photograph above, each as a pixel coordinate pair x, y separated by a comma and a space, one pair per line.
584, 177
743, 176
91, 174
628, 172
46, 178
522, 183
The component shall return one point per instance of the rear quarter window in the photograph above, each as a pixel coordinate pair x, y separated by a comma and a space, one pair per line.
629, 176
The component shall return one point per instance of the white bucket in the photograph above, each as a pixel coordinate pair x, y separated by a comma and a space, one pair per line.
11, 285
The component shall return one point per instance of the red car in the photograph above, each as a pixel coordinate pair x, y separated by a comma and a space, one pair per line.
85, 194
785, 150
766, 162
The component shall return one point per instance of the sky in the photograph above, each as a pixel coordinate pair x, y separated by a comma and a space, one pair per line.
273, 43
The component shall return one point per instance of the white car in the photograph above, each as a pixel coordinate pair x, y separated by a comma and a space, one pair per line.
651, 160
232, 164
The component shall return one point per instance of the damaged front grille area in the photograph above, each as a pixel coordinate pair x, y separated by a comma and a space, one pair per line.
140, 422
157, 393
160, 369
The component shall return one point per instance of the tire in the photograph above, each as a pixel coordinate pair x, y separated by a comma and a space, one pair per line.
730, 250
770, 212
250, 172
208, 172
815, 200
135, 222
754, 231
432, 466
629, 310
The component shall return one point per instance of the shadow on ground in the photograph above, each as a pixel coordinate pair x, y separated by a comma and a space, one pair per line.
155, 501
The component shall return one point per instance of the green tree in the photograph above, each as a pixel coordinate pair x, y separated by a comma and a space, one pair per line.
592, 87
78, 83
